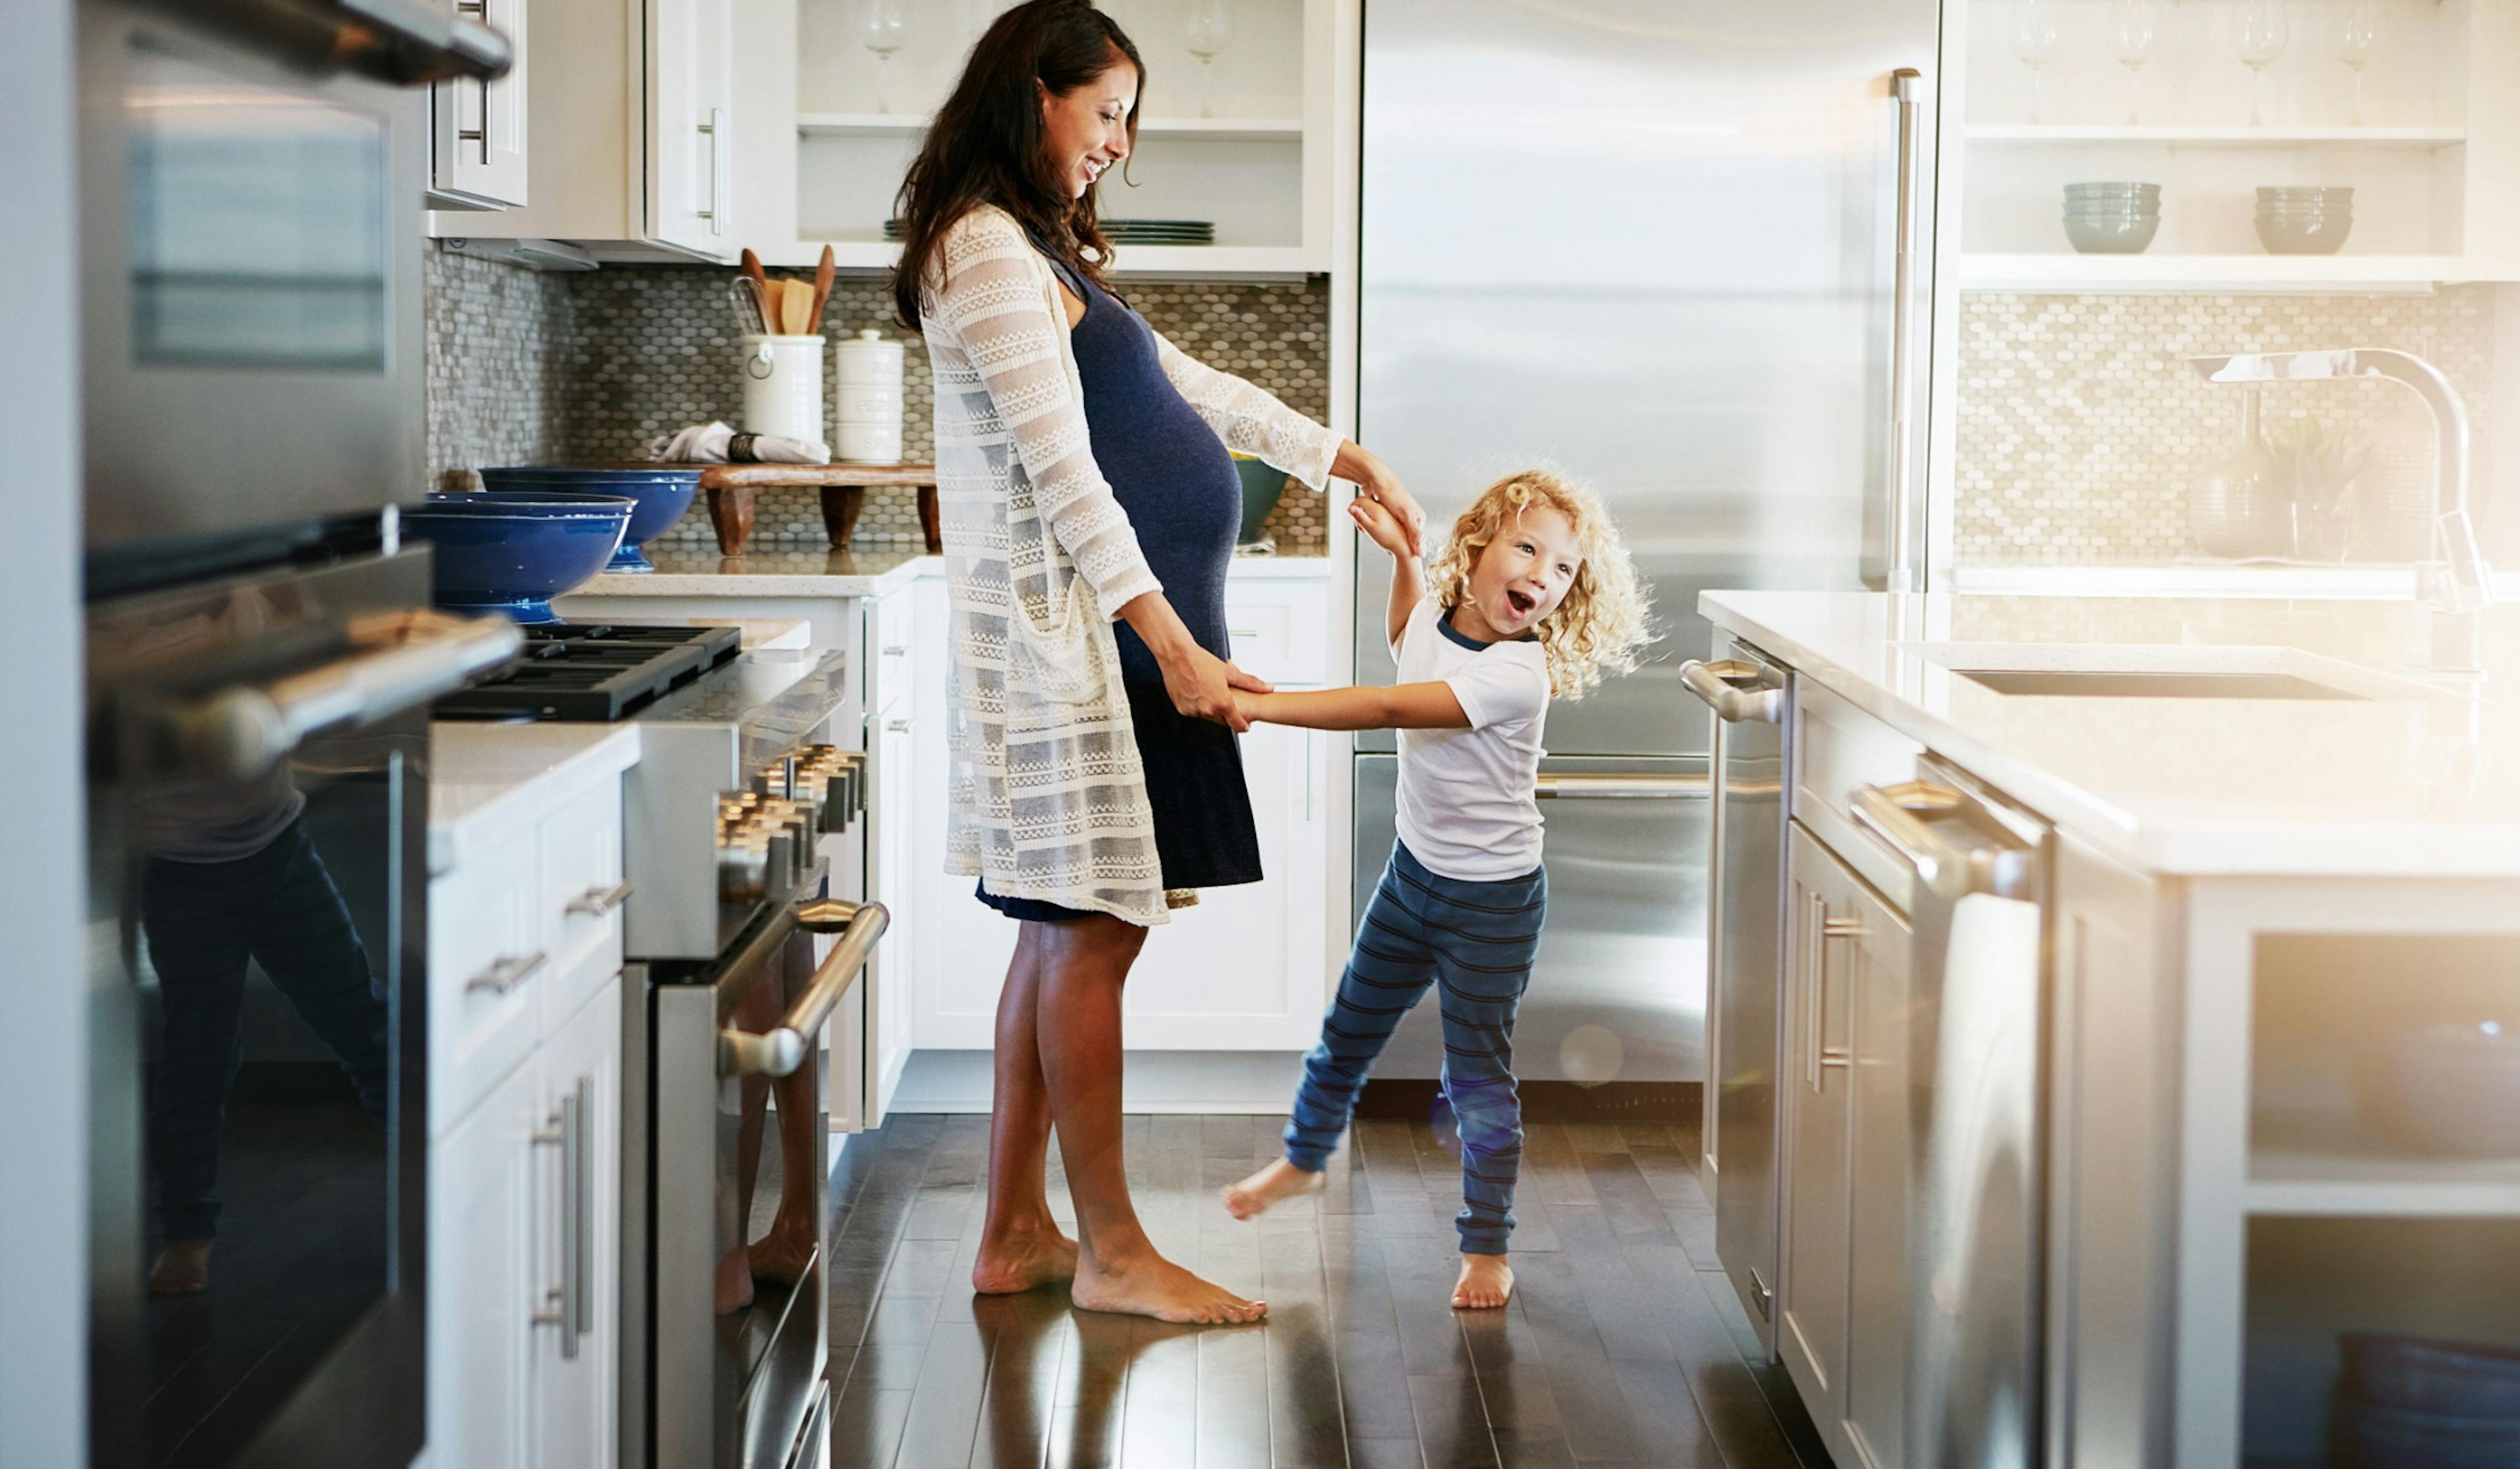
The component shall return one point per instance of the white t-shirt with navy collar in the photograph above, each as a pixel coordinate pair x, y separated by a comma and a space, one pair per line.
1467, 808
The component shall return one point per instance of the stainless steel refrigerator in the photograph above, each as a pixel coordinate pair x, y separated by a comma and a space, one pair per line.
1680, 249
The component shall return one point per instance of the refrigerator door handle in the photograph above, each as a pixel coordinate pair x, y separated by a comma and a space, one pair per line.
1904, 575
1550, 786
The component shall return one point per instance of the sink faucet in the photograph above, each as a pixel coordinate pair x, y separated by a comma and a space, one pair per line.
2454, 582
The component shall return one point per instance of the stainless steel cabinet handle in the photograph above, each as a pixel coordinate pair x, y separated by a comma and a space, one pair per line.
1715, 683
1897, 817
1566, 787
715, 129
1903, 339
599, 901
897, 726
240, 732
582, 1315
567, 1300
896, 650
1824, 1057
505, 974
784, 1050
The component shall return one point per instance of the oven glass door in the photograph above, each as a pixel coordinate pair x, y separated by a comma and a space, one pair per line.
259, 1054
249, 284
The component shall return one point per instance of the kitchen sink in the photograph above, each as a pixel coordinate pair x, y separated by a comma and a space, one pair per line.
2054, 682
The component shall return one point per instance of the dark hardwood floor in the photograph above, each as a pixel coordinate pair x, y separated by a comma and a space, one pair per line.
1623, 1344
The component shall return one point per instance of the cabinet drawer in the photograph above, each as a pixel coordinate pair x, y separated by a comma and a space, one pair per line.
580, 906
1838, 749
892, 645
1276, 631
488, 957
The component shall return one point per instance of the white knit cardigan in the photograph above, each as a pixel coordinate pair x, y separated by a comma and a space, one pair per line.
1047, 798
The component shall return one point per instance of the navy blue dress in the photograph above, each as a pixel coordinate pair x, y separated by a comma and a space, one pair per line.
1173, 476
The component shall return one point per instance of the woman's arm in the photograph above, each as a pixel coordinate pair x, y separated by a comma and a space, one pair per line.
1400, 706
1203, 685
1408, 572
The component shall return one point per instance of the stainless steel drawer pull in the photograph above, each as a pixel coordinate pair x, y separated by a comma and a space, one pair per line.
1899, 818
505, 974
784, 1050
1719, 685
569, 1310
598, 901
897, 726
896, 650
1565, 787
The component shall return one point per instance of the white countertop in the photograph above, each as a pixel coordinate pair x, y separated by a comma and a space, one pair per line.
834, 574
2424, 785
486, 780
2222, 579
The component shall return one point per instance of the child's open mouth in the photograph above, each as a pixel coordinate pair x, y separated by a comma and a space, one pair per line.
1521, 602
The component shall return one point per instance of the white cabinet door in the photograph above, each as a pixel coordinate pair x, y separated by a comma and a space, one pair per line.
478, 128
1882, 1148
965, 947
890, 1016
576, 1362
691, 82
484, 1281
1812, 1313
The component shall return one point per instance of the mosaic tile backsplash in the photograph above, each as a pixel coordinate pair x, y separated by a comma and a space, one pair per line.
2080, 429
527, 368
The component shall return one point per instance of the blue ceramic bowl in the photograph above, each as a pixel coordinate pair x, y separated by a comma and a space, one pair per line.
661, 495
514, 553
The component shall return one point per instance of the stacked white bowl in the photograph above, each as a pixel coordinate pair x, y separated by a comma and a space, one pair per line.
2304, 220
2112, 218
868, 394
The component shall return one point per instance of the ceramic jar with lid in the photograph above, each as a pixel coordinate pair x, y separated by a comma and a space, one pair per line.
867, 399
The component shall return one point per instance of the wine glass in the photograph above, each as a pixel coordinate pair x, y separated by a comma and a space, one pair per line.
2358, 38
1208, 30
883, 24
2036, 30
2264, 34
2135, 35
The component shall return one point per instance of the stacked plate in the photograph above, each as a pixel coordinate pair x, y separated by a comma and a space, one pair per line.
2112, 218
2409, 1403
2304, 220
1159, 230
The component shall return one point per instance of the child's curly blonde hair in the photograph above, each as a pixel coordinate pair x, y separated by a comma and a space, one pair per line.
1604, 618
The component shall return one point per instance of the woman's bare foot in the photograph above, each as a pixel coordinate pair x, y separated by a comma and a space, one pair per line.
1023, 1262
734, 1289
784, 1255
1279, 1180
1485, 1283
1149, 1285
182, 1268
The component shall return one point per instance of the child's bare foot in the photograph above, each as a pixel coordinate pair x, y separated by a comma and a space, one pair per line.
784, 1255
1149, 1285
1022, 1263
1485, 1283
734, 1289
1279, 1180
182, 1268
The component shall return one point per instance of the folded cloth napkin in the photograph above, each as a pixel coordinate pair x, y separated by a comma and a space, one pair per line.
718, 444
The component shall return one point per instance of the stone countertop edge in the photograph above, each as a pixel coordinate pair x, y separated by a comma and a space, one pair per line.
487, 781
2220, 807
804, 575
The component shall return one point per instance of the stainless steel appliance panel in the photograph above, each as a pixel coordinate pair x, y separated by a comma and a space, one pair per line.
1619, 991
1977, 1050
1750, 705
250, 260
257, 821
1655, 244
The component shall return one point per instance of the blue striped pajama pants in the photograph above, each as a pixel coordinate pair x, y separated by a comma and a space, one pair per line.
1474, 942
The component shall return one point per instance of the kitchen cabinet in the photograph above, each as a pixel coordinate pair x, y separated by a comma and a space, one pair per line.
895, 629
577, 1383
481, 1279
477, 130
1240, 971
629, 131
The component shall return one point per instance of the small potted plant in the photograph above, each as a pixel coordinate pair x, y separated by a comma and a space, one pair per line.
2321, 471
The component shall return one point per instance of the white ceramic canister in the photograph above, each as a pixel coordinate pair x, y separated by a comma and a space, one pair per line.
783, 386
868, 399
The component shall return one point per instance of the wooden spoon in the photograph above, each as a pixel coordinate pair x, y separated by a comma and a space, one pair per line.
823, 273
752, 268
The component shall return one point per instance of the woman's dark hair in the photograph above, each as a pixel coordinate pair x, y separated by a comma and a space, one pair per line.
985, 146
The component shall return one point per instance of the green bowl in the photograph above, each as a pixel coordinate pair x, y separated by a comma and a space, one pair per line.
1262, 484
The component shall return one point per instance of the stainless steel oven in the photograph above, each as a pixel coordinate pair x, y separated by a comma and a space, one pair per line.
258, 766
252, 182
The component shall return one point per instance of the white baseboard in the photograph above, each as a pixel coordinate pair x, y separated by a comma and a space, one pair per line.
1233, 1083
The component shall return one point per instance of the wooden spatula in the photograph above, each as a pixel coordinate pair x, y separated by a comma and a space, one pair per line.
823, 273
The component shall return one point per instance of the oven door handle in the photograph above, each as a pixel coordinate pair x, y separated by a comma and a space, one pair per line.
240, 732
784, 1050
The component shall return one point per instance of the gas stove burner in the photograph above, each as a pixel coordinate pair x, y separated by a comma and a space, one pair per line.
593, 672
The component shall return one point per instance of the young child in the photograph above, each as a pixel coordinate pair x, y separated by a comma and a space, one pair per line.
1533, 598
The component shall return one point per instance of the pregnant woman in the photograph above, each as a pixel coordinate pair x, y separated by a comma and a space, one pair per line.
1085, 477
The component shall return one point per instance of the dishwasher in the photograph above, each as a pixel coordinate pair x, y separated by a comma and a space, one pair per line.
1976, 1033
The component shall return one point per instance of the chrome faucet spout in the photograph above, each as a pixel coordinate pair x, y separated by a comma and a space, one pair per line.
2455, 576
